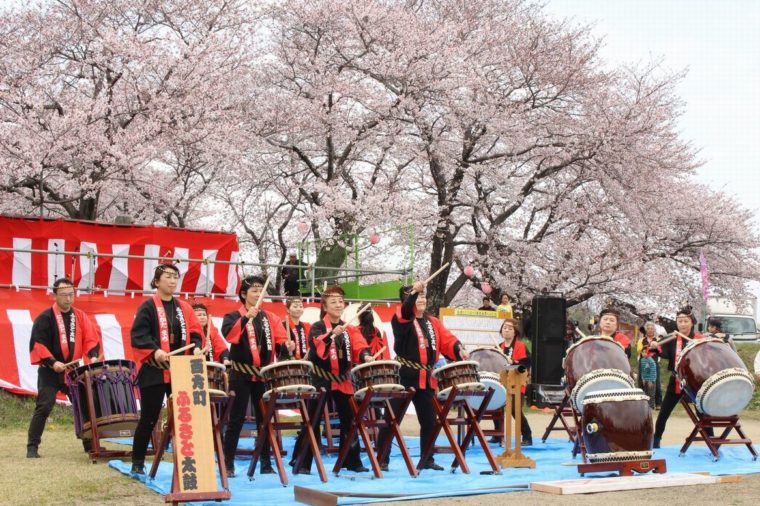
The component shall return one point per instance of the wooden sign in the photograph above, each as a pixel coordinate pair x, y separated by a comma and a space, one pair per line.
193, 436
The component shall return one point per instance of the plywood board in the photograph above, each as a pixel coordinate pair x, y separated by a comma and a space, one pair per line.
592, 485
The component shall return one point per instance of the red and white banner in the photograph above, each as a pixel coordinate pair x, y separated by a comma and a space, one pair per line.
113, 315
20, 268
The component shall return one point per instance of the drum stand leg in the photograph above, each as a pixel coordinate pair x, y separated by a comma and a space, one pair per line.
391, 419
166, 436
358, 425
561, 414
310, 424
266, 433
727, 423
442, 423
472, 421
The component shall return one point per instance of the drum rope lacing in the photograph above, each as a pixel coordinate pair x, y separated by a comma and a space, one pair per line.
618, 456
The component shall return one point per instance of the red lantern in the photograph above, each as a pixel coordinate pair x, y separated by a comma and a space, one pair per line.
302, 227
374, 238
485, 288
469, 271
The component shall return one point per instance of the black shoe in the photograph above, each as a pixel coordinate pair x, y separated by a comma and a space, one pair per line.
656, 443
266, 468
430, 464
384, 467
357, 469
527, 441
230, 470
303, 470
87, 445
137, 469
495, 439
31, 452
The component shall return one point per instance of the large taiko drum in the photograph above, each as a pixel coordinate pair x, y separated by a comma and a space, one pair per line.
381, 375
595, 363
111, 385
617, 425
714, 377
289, 376
489, 360
463, 375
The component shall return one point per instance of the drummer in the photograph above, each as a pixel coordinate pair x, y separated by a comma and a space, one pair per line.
162, 324
218, 350
608, 326
335, 347
376, 338
517, 354
256, 337
420, 339
298, 331
685, 324
60, 334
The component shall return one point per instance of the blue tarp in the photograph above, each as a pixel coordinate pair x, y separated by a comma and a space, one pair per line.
550, 458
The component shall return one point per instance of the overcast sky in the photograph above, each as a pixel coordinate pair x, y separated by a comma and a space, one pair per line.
718, 41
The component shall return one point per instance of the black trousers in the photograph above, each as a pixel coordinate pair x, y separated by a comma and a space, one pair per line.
151, 401
423, 405
669, 402
46, 393
524, 426
346, 417
245, 390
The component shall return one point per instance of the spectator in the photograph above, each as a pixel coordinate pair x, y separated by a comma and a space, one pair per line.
645, 342
487, 306
648, 374
714, 329
504, 308
290, 276
757, 367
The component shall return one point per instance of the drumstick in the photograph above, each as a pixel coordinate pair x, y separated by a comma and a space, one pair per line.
359, 313
287, 331
180, 350
430, 278
685, 337
263, 292
379, 352
583, 336
71, 364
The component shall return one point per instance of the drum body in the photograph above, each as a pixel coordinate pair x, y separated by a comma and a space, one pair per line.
617, 425
714, 377
595, 363
463, 375
110, 387
381, 375
217, 377
489, 360
289, 376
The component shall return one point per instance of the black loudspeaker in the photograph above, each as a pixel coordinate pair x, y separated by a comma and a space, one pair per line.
548, 336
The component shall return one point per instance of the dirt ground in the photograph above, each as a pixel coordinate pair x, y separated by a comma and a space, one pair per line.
65, 476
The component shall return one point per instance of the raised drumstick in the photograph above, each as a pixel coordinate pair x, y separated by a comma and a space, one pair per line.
430, 278
263, 292
359, 313
379, 352
583, 336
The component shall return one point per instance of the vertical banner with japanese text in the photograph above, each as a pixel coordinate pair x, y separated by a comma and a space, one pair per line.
193, 432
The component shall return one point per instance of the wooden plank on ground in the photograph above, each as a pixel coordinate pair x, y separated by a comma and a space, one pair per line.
614, 484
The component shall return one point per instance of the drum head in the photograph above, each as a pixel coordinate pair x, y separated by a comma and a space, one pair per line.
370, 365
489, 359
286, 363
725, 393
602, 379
384, 388
216, 365
498, 399
310, 315
454, 365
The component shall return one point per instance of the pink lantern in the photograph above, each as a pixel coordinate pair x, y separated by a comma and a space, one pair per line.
485, 288
374, 238
469, 271
302, 227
